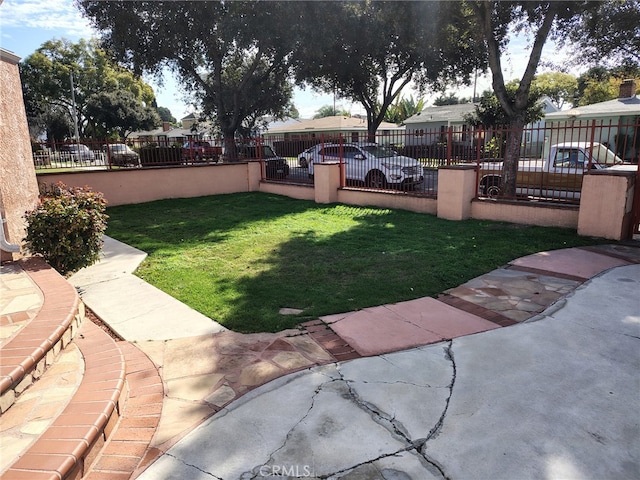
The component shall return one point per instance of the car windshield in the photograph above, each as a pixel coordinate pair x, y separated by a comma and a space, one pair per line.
379, 152
118, 147
76, 148
604, 156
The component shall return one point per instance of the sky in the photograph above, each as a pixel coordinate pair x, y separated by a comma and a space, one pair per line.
26, 24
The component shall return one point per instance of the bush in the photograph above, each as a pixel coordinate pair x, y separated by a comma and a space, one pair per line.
66, 227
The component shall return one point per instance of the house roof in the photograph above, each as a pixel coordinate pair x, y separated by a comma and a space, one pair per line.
288, 121
547, 105
617, 107
330, 124
456, 113
444, 113
171, 133
149, 133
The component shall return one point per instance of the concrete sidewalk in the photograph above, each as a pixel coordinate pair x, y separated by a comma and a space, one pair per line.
551, 398
132, 308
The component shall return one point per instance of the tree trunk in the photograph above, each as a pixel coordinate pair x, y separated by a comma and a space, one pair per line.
230, 150
512, 155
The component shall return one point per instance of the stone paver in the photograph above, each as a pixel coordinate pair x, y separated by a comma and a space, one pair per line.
515, 294
577, 262
199, 385
389, 328
20, 301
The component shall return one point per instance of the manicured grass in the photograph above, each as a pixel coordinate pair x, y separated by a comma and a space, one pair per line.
240, 258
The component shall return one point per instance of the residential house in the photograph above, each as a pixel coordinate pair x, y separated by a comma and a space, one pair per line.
294, 137
168, 135
614, 122
432, 124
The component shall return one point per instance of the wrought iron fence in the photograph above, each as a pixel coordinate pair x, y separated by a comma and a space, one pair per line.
553, 159
89, 154
551, 162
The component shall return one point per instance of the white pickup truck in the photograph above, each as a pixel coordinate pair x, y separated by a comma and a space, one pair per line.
558, 175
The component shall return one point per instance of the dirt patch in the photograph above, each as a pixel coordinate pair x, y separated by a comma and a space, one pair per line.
89, 315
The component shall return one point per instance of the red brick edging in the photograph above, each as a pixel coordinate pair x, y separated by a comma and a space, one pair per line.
25, 357
127, 452
77, 435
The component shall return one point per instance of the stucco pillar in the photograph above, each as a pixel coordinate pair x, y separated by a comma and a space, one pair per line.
456, 190
605, 204
326, 180
254, 175
18, 184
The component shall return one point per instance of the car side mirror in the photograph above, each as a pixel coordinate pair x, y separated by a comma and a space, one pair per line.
358, 156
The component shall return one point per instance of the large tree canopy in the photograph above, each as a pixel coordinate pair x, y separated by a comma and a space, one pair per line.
374, 49
599, 84
607, 34
490, 114
234, 56
46, 83
560, 87
120, 112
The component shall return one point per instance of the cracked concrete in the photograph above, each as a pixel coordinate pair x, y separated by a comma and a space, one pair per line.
554, 398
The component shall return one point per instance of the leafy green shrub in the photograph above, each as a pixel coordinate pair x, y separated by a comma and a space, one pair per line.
66, 227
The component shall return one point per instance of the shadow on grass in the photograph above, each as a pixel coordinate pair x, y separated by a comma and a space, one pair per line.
329, 259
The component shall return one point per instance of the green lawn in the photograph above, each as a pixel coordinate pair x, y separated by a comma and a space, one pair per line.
239, 258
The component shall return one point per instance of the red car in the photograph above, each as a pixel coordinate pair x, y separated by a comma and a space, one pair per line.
200, 150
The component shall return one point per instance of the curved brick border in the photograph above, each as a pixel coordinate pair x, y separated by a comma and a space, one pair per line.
127, 452
25, 357
77, 435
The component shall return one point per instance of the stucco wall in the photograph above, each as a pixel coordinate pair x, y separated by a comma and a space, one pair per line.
122, 187
300, 192
605, 205
18, 185
388, 200
604, 211
526, 213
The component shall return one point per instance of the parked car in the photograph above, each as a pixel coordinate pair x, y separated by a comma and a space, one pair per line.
558, 175
199, 150
374, 165
76, 152
275, 166
121, 154
305, 157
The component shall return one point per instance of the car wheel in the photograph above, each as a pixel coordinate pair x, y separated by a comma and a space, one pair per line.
492, 188
303, 162
376, 179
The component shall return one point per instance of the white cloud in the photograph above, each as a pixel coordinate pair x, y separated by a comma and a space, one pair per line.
45, 15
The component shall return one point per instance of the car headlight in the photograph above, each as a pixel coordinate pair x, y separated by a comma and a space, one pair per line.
411, 170
391, 166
